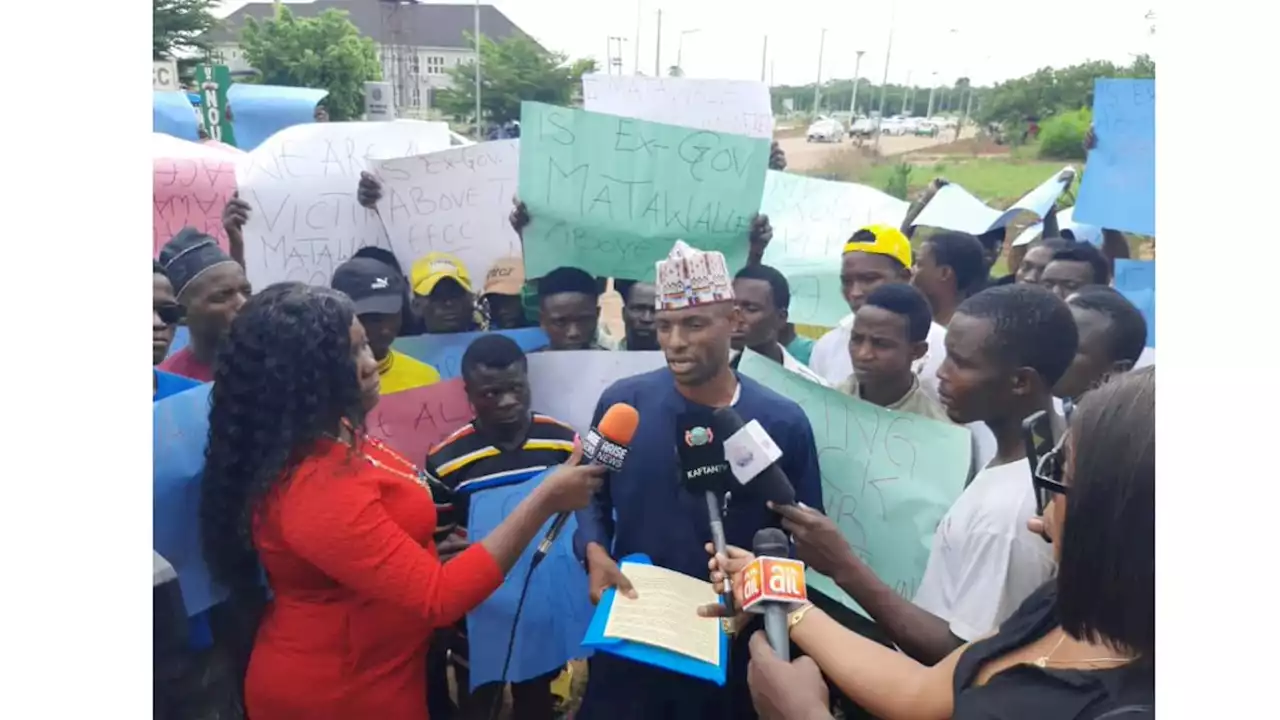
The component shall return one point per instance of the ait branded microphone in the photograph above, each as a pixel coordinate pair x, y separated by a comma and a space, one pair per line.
605, 444
753, 457
704, 470
773, 584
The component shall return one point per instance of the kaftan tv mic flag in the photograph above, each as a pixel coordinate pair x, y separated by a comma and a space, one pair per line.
773, 584
605, 444
704, 470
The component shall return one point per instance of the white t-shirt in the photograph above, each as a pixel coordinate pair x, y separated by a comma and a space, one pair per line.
984, 561
831, 359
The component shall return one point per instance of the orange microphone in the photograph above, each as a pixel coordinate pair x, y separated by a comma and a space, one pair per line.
606, 444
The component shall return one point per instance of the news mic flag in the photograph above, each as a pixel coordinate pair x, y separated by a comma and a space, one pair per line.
603, 451
703, 467
753, 457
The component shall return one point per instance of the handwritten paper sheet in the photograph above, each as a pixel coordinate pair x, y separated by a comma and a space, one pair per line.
455, 201
1136, 280
954, 208
738, 107
412, 421
1118, 190
190, 184
567, 384
665, 613
611, 195
557, 610
887, 477
301, 184
812, 219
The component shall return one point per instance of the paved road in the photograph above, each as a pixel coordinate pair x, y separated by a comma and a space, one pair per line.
803, 155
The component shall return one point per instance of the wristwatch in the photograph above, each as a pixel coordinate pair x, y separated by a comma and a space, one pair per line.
794, 618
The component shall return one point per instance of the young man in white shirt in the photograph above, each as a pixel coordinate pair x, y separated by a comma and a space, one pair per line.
875, 255
763, 296
1006, 347
949, 267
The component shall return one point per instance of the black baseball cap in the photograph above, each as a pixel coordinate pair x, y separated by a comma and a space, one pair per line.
372, 285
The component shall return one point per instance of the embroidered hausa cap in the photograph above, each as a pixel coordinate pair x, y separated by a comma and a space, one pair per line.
188, 255
690, 277
430, 269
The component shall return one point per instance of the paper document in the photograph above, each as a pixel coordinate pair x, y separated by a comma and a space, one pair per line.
665, 614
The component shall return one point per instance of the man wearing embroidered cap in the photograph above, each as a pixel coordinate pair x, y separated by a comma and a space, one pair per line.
875, 255
695, 321
211, 287
442, 294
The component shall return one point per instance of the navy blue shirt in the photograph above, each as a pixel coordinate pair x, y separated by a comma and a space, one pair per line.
654, 514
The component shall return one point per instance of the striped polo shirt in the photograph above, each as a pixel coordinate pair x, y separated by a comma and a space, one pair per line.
467, 462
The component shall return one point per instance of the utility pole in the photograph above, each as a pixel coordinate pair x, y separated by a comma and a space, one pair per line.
479, 132
764, 56
817, 88
615, 59
857, 78
906, 92
636, 63
884, 83
657, 52
933, 86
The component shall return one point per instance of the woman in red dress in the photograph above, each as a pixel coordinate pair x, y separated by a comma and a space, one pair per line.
341, 524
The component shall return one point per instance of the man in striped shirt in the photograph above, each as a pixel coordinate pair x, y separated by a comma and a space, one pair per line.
504, 444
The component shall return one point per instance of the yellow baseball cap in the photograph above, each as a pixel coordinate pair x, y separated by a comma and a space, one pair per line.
881, 240
430, 269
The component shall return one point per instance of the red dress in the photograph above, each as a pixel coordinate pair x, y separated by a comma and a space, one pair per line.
358, 589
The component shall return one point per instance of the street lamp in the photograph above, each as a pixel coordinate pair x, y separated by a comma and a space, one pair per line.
857, 76
680, 47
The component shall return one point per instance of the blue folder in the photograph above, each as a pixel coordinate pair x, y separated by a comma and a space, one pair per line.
649, 654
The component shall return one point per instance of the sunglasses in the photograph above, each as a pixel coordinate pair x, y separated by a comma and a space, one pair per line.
170, 313
1047, 477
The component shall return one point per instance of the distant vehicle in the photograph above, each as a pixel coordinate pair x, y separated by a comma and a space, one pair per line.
893, 127
825, 129
926, 129
863, 127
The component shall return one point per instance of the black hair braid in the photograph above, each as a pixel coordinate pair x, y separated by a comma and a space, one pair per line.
284, 378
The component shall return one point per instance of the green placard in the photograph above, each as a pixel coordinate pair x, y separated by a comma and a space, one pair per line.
611, 195
213, 82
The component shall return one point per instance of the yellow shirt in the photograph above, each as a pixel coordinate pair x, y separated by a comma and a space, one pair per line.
400, 372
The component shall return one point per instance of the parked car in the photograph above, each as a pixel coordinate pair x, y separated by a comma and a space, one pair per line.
863, 127
926, 129
825, 129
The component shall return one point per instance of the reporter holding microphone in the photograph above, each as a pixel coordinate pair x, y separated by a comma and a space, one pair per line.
341, 524
1082, 647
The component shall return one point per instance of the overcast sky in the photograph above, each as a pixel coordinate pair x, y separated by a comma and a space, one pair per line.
988, 40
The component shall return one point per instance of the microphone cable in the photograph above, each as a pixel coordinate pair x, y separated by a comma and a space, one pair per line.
495, 709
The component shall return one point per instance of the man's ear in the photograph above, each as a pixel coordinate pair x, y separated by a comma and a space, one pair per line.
919, 350
1024, 381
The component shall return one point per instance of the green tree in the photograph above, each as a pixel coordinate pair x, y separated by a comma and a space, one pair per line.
1048, 92
675, 71
179, 25
512, 70
326, 51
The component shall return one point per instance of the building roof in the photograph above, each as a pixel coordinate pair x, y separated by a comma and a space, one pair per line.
388, 22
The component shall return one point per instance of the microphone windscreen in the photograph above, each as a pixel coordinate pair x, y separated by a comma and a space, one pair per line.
619, 424
770, 542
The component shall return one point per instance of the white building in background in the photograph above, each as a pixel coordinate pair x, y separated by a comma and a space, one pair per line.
417, 42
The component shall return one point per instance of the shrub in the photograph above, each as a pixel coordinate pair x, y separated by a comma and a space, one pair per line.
899, 181
1062, 136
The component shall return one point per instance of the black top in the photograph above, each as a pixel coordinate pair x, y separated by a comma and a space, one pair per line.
1026, 691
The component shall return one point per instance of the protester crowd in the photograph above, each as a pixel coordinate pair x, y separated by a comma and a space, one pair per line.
370, 569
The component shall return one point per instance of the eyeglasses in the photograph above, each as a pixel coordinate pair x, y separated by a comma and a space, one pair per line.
1047, 478
170, 313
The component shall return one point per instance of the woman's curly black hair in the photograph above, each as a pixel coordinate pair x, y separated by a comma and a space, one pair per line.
284, 378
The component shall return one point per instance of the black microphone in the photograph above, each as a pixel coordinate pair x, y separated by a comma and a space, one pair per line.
753, 457
704, 470
606, 444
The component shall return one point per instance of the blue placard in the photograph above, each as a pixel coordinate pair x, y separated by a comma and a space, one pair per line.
649, 654
444, 352
260, 111
557, 609
180, 433
1136, 280
1118, 189
173, 114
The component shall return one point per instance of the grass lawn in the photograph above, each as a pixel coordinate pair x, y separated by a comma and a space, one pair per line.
996, 181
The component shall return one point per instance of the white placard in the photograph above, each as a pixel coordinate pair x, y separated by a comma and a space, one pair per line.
954, 208
301, 184
740, 107
812, 219
567, 384
455, 201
